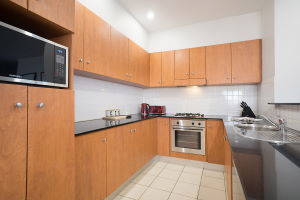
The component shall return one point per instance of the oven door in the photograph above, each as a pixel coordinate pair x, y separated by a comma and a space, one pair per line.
188, 140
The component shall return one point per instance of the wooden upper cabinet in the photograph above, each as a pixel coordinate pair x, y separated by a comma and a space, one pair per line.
139, 70
119, 55
96, 44
22, 3
155, 69
50, 171
91, 166
246, 62
215, 141
182, 64
218, 64
197, 63
77, 37
167, 60
57, 11
13, 141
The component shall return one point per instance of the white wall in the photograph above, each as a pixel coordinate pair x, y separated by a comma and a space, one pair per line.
114, 14
209, 100
231, 29
93, 97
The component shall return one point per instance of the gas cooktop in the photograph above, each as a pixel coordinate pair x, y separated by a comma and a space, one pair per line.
196, 115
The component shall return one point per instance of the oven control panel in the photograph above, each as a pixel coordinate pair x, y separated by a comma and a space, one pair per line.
188, 123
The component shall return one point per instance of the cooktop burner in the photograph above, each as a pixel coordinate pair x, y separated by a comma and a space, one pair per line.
189, 115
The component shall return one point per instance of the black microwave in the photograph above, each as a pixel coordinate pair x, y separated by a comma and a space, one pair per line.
29, 59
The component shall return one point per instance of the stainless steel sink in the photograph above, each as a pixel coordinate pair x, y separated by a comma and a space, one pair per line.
257, 127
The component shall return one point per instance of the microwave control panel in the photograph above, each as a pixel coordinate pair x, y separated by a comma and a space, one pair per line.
60, 66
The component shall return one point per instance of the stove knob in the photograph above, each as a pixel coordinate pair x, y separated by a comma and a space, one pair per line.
199, 124
193, 123
177, 122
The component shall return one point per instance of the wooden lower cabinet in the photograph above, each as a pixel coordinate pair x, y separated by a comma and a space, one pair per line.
163, 136
13, 141
50, 172
215, 141
91, 166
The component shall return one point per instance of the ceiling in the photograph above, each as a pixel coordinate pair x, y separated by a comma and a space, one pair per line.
175, 13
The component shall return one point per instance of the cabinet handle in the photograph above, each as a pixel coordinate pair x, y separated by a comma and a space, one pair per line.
187, 74
126, 74
134, 130
19, 105
233, 78
88, 62
81, 60
103, 140
193, 73
41, 105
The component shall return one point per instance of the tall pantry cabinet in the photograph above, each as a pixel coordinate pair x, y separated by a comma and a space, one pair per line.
37, 143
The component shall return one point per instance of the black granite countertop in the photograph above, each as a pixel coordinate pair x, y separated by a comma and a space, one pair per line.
89, 126
266, 170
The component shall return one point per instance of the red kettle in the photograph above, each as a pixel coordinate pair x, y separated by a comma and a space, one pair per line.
145, 109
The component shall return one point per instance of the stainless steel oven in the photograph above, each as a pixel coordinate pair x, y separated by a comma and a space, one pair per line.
188, 136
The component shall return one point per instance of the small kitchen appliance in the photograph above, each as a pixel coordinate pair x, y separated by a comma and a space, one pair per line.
145, 109
188, 136
157, 110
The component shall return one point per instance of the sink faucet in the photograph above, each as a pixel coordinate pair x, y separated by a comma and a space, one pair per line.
282, 124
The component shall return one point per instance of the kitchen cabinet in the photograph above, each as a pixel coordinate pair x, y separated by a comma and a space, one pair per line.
182, 64
167, 65
215, 141
96, 44
22, 3
119, 56
228, 167
163, 136
197, 66
59, 12
218, 64
91, 166
77, 56
50, 172
246, 62
155, 69
139, 71
13, 141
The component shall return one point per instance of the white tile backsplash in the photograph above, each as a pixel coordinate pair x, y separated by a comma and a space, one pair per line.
93, 97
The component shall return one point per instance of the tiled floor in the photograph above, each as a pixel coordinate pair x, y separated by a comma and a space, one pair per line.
170, 180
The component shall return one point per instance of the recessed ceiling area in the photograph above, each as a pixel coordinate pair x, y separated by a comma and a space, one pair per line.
175, 13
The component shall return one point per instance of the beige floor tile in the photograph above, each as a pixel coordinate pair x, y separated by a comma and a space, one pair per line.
176, 167
193, 170
160, 164
163, 184
206, 193
213, 183
190, 178
214, 166
154, 171
121, 198
133, 191
154, 194
213, 173
179, 197
144, 179
170, 174
186, 189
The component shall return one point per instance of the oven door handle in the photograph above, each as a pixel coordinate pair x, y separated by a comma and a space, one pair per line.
188, 129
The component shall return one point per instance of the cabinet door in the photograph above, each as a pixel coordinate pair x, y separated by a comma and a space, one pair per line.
120, 153
155, 70
91, 166
197, 63
57, 11
13, 141
215, 141
96, 44
163, 136
50, 173
22, 3
228, 169
167, 60
218, 64
77, 37
182, 64
246, 62
119, 55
